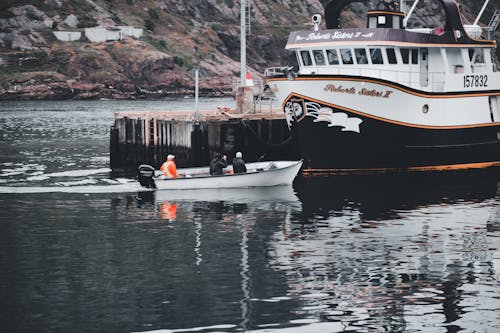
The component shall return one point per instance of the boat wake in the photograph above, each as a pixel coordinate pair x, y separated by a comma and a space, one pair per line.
71, 173
69, 181
117, 188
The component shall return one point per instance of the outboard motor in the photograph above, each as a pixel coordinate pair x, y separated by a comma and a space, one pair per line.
145, 175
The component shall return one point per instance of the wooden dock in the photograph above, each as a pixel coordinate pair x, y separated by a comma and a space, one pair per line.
147, 137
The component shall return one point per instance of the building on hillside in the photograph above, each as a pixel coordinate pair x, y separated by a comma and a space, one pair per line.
103, 34
131, 31
67, 36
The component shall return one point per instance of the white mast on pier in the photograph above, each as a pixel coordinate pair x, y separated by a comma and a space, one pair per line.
197, 114
243, 43
244, 92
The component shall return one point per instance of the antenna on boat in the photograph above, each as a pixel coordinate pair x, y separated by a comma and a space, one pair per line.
405, 20
481, 12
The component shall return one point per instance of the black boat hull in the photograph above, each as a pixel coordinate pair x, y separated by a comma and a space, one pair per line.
382, 146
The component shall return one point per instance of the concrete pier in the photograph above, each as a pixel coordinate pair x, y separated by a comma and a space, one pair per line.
147, 137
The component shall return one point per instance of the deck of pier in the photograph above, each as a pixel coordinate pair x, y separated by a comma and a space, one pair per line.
220, 114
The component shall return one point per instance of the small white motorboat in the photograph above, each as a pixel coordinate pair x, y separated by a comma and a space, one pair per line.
258, 174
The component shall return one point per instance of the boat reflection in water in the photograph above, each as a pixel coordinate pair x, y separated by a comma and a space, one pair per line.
384, 196
385, 253
167, 201
283, 193
224, 221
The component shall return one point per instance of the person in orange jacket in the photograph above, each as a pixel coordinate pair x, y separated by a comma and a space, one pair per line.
169, 168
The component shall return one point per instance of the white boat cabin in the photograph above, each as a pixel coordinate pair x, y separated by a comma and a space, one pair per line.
432, 60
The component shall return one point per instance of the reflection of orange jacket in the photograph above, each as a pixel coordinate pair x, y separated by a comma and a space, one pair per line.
168, 211
169, 169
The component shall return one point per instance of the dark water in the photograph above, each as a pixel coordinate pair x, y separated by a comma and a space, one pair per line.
82, 250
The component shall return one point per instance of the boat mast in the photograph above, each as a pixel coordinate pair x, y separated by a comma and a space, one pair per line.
405, 20
481, 12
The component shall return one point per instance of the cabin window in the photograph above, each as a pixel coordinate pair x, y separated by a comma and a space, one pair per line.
372, 22
376, 55
297, 55
414, 56
476, 56
395, 22
471, 54
361, 56
405, 55
346, 55
409, 55
454, 59
333, 58
391, 56
319, 58
306, 58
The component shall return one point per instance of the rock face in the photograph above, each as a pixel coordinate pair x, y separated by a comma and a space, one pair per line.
124, 69
179, 36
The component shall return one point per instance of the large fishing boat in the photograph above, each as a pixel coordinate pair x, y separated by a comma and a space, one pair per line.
389, 98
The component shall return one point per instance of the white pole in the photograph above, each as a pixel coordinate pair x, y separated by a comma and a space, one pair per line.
405, 20
196, 84
243, 44
481, 12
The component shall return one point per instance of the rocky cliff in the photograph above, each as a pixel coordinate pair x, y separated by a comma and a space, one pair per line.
178, 36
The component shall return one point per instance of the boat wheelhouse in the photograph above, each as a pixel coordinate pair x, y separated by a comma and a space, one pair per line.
389, 98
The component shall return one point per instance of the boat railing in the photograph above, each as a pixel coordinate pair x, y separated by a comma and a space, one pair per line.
278, 71
265, 103
258, 86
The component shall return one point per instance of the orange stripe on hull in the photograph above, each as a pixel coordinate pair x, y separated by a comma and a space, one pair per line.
346, 171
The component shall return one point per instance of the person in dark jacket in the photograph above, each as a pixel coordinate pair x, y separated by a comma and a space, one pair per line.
238, 164
218, 164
